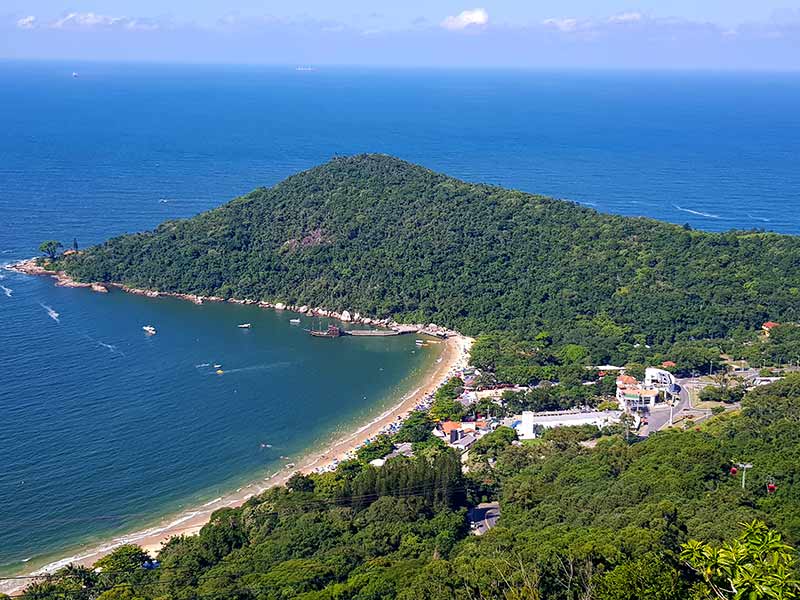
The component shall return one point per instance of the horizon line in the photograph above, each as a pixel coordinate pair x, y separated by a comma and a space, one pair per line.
410, 66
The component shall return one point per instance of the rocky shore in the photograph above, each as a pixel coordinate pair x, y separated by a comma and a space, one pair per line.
31, 267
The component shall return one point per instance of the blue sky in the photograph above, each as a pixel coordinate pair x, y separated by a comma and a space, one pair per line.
730, 34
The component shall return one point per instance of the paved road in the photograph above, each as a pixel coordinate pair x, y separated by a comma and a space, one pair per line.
483, 517
659, 417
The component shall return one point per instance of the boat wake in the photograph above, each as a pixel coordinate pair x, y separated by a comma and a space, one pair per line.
111, 347
201, 365
6, 291
50, 312
697, 212
267, 367
762, 219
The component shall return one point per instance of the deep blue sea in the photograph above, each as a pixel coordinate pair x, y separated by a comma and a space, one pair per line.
103, 429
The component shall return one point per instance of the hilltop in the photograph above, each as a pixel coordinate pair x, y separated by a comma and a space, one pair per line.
382, 236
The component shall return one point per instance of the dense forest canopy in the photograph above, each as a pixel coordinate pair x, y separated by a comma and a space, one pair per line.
384, 237
612, 522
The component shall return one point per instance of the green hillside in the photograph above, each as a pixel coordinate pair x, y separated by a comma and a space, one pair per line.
606, 523
384, 237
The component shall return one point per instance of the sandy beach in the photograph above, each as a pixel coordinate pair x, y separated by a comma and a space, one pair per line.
454, 356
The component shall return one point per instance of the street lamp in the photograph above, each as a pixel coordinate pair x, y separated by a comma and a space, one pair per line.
744, 467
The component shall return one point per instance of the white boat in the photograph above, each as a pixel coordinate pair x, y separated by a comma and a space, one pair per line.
245, 326
149, 329
294, 321
217, 366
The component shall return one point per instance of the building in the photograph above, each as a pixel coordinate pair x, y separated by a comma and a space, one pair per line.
641, 397
768, 327
636, 398
658, 378
533, 423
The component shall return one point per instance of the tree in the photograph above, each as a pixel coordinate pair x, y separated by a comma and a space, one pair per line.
300, 483
755, 565
50, 248
416, 428
126, 559
445, 409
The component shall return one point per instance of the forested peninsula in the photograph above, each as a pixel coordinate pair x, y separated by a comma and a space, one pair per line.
543, 282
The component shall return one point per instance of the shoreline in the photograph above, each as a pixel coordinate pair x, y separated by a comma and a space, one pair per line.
29, 267
453, 357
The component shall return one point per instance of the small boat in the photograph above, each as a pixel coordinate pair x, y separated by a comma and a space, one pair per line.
149, 329
294, 321
217, 366
75, 75
220, 371
245, 326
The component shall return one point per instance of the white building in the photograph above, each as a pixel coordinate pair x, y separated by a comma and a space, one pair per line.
658, 379
532, 422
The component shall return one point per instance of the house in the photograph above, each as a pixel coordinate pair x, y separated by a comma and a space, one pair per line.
532, 423
768, 327
626, 380
402, 449
464, 442
668, 364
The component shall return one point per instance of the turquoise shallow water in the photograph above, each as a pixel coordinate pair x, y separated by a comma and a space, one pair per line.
102, 428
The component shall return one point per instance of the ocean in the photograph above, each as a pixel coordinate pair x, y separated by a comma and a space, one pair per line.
103, 429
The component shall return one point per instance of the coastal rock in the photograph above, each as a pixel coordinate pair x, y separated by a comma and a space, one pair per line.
303, 309
345, 316
98, 287
280, 306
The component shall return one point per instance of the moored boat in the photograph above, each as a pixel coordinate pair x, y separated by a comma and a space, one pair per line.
332, 332
149, 329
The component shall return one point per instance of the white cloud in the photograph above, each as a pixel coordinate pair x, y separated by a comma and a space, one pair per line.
27, 22
565, 25
466, 18
93, 20
627, 17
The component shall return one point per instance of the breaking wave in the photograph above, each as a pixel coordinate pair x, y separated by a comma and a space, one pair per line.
697, 212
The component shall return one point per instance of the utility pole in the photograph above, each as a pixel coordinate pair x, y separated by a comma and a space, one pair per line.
744, 467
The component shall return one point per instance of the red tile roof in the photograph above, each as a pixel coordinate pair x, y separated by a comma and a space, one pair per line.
449, 426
